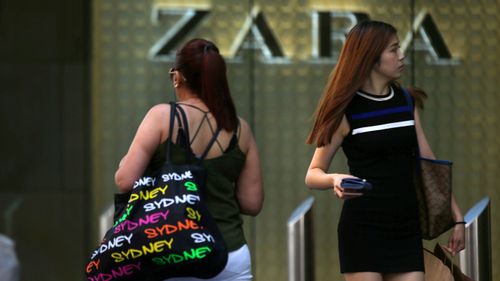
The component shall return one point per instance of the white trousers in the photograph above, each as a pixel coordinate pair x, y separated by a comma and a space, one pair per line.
9, 264
238, 267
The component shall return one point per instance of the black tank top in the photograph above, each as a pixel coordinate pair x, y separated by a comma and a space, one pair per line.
223, 172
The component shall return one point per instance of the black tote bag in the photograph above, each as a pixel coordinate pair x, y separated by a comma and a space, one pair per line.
164, 230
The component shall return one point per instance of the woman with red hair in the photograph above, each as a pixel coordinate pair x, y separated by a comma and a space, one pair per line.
366, 112
234, 182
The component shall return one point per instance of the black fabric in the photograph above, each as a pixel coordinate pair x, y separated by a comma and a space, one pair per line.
379, 231
165, 229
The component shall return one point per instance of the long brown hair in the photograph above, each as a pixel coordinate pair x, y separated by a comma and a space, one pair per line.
362, 50
204, 68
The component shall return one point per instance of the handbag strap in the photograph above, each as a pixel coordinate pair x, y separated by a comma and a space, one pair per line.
173, 113
408, 100
410, 103
178, 111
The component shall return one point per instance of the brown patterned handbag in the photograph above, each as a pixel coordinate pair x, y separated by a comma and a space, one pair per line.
433, 188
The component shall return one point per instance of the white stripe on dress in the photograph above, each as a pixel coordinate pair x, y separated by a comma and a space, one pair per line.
383, 127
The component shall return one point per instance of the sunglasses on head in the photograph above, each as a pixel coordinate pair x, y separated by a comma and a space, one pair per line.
172, 72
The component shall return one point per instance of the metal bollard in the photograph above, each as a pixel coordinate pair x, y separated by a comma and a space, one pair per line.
475, 259
300, 242
106, 220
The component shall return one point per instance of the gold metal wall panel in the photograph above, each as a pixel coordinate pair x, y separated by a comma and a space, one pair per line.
278, 96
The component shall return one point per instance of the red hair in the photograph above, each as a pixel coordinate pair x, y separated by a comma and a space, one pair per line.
204, 68
362, 50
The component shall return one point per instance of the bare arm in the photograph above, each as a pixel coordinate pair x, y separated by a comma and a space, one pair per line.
425, 148
426, 151
317, 176
146, 141
456, 242
249, 192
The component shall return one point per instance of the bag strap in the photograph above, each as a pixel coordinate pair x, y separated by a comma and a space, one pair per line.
173, 113
408, 100
184, 124
410, 103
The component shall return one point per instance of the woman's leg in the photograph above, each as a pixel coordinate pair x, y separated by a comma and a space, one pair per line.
363, 276
405, 276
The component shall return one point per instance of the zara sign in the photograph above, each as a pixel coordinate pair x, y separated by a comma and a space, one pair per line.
325, 40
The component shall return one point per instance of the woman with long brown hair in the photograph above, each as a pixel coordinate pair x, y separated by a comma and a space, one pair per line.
234, 182
366, 112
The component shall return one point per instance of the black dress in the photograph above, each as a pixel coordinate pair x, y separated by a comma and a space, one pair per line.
379, 231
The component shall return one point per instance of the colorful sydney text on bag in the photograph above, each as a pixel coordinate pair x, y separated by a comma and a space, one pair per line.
165, 229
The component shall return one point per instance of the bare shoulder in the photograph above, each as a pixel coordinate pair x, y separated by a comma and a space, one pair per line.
245, 130
245, 135
158, 112
160, 108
